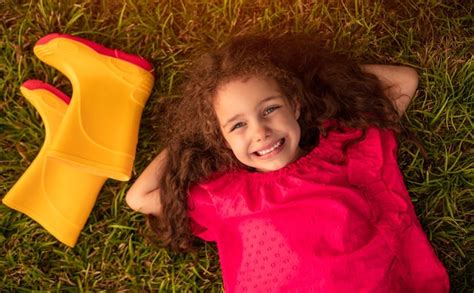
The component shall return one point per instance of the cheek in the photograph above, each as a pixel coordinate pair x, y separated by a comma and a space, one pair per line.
230, 142
295, 129
291, 122
237, 145
296, 126
224, 140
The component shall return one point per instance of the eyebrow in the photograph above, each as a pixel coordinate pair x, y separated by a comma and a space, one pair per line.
237, 116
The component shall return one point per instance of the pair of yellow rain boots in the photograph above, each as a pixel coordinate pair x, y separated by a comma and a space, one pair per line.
89, 138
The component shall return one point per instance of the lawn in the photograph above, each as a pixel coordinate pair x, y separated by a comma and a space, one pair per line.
434, 37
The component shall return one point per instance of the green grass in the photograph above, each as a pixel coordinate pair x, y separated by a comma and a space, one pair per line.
435, 37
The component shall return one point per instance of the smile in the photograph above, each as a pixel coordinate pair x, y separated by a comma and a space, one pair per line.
272, 148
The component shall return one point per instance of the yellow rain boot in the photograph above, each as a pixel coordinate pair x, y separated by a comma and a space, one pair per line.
54, 194
99, 132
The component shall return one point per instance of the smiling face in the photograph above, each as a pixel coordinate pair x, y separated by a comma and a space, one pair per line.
258, 123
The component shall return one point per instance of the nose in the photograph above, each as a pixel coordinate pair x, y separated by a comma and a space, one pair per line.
261, 132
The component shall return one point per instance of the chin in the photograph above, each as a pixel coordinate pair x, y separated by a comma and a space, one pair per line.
270, 168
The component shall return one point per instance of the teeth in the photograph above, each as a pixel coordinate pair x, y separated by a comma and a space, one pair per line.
264, 152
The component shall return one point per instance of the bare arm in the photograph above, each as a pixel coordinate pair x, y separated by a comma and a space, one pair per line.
399, 82
144, 195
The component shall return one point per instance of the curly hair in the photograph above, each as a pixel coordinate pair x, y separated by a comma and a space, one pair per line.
327, 85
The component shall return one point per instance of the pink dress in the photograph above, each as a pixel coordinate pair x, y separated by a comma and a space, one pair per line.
320, 224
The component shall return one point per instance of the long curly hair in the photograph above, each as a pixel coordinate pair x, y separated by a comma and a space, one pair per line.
327, 85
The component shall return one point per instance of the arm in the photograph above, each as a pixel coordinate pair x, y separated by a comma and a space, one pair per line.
399, 82
144, 195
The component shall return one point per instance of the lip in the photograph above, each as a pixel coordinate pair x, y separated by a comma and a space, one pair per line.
269, 146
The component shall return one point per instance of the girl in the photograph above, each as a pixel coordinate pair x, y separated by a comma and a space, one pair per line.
284, 154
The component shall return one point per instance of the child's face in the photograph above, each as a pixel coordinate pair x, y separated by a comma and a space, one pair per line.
258, 123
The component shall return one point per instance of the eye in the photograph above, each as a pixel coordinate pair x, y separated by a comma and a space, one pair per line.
270, 110
237, 126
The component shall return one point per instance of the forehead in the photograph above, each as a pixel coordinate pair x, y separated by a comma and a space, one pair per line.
245, 91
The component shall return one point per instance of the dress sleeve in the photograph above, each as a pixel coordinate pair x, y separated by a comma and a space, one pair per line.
373, 166
202, 213
366, 159
374, 169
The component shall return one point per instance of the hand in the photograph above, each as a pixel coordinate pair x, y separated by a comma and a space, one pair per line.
399, 82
